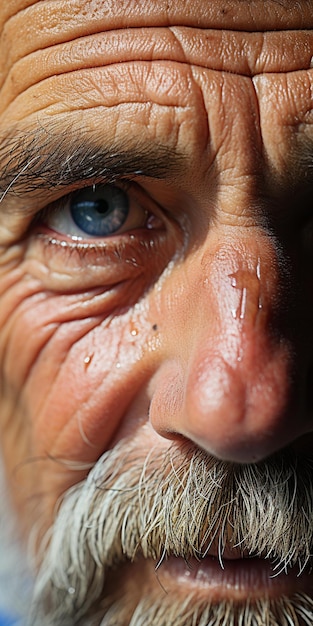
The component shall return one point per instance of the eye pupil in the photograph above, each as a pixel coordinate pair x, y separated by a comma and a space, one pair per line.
100, 211
102, 207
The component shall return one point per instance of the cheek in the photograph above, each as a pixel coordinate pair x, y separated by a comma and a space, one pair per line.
81, 388
88, 375
71, 368
76, 348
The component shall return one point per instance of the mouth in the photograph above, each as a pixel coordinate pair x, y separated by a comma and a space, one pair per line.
233, 579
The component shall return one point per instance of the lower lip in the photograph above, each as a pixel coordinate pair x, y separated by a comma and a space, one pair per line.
235, 580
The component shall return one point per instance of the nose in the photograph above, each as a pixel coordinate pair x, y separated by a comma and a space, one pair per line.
228, 381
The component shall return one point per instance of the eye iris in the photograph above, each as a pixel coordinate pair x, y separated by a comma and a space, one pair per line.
100, 211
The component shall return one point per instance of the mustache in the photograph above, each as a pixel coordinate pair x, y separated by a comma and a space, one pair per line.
179, 502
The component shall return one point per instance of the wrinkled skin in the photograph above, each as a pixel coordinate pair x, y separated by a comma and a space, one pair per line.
194, 323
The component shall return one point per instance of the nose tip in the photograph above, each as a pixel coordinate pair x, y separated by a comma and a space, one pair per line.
235, 412
234, 393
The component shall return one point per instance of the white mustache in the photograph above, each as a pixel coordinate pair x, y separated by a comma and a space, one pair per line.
180, 502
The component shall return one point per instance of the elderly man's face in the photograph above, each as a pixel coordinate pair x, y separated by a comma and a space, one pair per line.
156, 292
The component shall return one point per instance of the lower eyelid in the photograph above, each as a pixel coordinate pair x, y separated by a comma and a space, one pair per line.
58, 263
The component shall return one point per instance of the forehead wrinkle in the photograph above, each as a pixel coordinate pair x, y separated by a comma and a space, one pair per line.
12, 8
235, 52
60, 157
140, 85
49, 22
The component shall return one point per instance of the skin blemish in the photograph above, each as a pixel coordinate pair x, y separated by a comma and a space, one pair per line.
134, 330
87, 360
155, 327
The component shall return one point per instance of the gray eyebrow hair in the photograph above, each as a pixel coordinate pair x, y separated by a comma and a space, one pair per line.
40, 160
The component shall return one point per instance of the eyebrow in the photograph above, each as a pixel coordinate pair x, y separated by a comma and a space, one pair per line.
42, 160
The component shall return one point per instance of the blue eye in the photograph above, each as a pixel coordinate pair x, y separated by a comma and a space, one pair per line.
99, 211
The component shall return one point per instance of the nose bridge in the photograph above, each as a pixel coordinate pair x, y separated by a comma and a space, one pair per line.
241, 278
235, 288
229, 392
240, 347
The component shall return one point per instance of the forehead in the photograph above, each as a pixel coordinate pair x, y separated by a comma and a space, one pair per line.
28, 26
237, 14
120, 58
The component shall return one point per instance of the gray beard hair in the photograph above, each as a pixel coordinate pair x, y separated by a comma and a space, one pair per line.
174, 503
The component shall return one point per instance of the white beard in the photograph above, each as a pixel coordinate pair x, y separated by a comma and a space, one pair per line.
131, 504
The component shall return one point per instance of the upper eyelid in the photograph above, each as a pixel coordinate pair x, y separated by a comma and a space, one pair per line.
29, 209
61, 201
